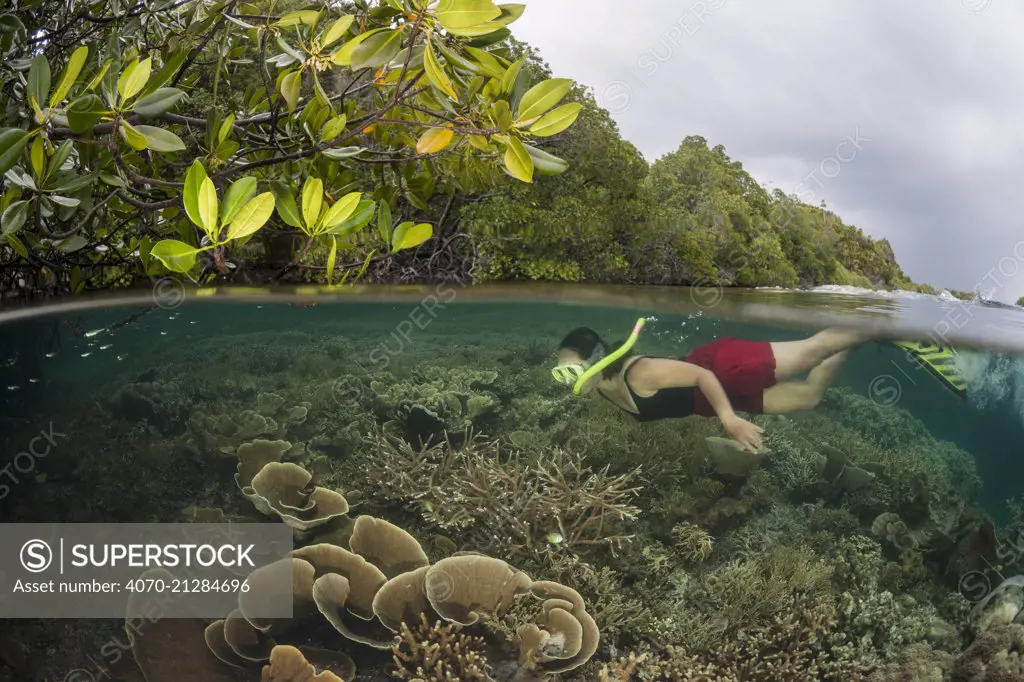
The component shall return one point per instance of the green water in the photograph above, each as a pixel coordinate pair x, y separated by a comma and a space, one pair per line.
663, 549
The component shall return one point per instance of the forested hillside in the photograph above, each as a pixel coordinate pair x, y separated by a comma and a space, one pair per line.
281, 143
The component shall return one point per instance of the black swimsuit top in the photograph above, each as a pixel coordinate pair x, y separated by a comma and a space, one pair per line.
666, 403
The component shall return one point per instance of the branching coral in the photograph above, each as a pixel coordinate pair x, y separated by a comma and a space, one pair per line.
693, 543
751, 592
437, 653
500, 501
790, 648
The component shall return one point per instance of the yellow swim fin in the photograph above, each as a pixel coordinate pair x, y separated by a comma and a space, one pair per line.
940, 361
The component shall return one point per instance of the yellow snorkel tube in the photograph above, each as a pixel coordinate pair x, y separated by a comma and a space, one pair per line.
596, 368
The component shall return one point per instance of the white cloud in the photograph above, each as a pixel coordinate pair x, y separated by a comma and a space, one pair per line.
780, 83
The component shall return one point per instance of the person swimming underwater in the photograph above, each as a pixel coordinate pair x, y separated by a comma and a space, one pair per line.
715, 379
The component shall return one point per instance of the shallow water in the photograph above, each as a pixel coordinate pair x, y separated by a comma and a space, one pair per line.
128, 382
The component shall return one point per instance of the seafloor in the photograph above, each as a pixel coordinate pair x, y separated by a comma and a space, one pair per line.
855, 550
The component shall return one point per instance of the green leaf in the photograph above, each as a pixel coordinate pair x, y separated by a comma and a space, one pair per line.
337, 30
436, 74
69, 202
208, 208
74, 184
160, 140
434, 140
309, 17
489, 66
491, 38
542, 97
408, 236
339, 153
285, 204
557, 120
252, 216
312, 202
71, 72
193, 181
158, 102
290, 86
97, 77
502, 115
511, 12
377, 50
134, 78
319, 91
39, 80
73, 243
85, 112
17, 245
135, 139
37, 157
170, 68
226, 126
384, 221
455, 14
333, 127
238, 194
331, 258
343, 55
113, 180
518, 161
341, 211
13, 217
60, 156
360, 219
544, 163
175, 255
508, 81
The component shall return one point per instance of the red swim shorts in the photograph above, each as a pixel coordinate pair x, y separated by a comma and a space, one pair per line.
744, 368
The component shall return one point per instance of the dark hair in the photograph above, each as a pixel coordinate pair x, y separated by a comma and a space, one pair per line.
583, 340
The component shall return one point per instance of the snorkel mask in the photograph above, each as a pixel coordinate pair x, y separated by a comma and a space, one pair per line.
579, 373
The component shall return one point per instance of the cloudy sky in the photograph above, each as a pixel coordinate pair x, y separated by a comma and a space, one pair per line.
932, 90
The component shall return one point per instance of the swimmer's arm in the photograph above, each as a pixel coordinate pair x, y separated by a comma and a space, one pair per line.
656, 373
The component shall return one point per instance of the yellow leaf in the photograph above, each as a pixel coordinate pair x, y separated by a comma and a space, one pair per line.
434, 140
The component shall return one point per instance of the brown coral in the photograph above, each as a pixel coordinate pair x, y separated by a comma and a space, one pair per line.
438, 653
287, 664
285, 489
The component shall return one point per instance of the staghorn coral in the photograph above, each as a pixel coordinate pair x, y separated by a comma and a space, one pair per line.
516, 508
789, 648
437, 653
693, 543
746, 593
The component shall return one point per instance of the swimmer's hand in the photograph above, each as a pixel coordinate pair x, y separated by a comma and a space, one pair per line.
743, 432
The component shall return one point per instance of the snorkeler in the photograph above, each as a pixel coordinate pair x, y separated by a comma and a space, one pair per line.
715, 379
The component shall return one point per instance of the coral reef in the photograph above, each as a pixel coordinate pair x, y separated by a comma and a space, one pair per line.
500, 501
569, 544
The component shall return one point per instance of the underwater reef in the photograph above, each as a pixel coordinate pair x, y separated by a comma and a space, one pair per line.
461, 518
